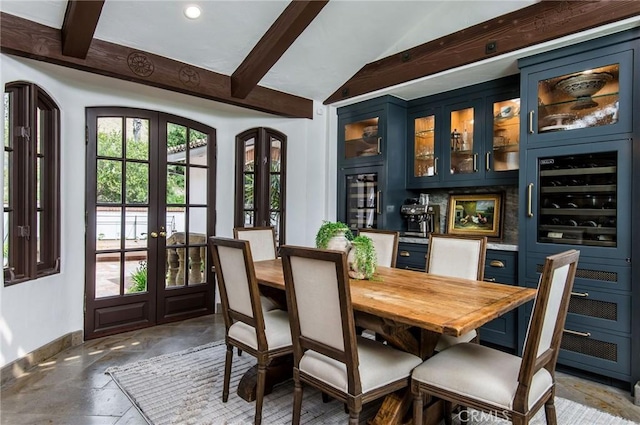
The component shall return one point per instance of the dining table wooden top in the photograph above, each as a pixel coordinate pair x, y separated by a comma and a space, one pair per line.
440, 304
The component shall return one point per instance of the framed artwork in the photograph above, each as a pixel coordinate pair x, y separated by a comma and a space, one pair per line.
476, 215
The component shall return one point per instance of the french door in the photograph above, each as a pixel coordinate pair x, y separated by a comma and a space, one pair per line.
150, 207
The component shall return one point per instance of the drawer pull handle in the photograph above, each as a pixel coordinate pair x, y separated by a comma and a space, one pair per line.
580, 294
576, 333
497, 263
405, 254
489, 279
415, 269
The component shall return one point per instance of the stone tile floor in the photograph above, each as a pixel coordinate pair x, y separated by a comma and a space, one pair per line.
72, 389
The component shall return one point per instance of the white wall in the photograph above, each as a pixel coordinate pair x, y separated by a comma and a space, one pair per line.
37, 312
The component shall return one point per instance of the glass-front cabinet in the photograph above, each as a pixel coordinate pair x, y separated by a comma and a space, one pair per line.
467, 137
361, 138
579, 99
505, 138
426, 148
463, 158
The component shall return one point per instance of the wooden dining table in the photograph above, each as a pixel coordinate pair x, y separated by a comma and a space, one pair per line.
411, 309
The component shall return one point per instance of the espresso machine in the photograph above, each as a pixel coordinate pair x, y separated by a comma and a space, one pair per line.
421, 218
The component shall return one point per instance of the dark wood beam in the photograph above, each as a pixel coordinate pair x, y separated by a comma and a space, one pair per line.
284, 31
79, 25
25, 38
540, 22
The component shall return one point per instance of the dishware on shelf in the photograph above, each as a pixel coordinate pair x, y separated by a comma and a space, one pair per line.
557, 121
370, 131
583, 86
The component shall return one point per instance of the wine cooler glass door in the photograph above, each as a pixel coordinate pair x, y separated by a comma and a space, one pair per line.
363, 200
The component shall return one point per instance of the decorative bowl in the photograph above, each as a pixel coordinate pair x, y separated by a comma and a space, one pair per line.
583, 86
370, 131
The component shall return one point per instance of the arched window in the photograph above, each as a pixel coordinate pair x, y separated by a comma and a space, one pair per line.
31, 183
260, 180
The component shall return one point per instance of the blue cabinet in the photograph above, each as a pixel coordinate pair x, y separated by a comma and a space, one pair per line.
579, 156
465, 137
371, 163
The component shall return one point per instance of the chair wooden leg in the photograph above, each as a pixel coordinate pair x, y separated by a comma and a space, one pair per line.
239, 352
297, 402
354, 417
227, 373
262, 375
550, 412
418, 406
325, 398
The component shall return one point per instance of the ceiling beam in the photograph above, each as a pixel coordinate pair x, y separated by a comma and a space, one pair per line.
280, 36
25, 38
79, 25
540, 22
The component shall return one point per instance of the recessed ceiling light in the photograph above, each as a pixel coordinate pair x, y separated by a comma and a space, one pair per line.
192, 12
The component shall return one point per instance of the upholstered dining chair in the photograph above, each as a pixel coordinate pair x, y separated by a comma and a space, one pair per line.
498, 383
385, 243
327, 353
456, 256
263, 247
261, 239
263, 334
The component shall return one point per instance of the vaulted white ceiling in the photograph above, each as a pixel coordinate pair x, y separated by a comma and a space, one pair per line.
346, 35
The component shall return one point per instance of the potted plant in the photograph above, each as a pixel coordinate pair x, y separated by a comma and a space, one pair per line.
334, 235
362, 258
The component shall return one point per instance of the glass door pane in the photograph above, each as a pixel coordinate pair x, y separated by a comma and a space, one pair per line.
578, 199
462, 141
363, 197
361, 139
506, 135
424, 146
580, 100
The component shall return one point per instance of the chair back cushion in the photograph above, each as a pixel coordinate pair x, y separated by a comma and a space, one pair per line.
234, 277
385, 244
318, 301
261, 240
454, 256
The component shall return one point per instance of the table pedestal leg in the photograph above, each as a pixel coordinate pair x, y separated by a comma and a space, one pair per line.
279, 370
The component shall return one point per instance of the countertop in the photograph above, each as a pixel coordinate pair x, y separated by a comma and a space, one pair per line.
490, 245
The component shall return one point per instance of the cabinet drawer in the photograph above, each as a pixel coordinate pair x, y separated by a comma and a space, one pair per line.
588, 275
501, 266
596, 351
412, 256
605, 310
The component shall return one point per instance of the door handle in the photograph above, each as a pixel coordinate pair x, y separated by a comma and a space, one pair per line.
378, 210
475, 162
163, 234
435, 166
529, 195
487, 166
154, 234
379, 140
531, 122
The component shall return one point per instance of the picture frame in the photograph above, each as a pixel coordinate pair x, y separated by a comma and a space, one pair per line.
476, 215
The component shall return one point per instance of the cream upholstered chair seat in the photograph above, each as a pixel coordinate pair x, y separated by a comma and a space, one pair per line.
276, 329
379, 365
481, 373
456, 257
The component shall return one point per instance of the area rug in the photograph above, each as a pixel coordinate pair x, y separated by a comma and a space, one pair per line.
186, 388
